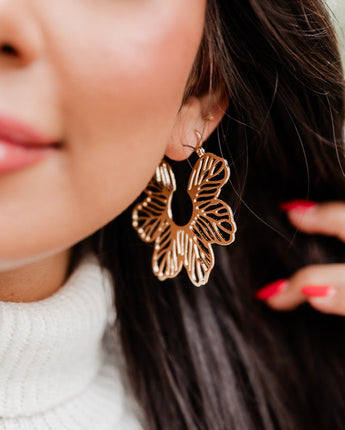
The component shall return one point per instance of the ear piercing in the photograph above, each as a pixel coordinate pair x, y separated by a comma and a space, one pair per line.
208, 117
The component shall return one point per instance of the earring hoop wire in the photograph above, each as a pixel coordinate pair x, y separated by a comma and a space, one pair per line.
199, 149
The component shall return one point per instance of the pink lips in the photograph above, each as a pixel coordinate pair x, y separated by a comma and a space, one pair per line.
20, 145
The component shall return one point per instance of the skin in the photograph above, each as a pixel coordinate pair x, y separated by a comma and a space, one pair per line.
106, 79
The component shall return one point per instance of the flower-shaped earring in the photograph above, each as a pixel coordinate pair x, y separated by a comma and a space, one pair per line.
211, 221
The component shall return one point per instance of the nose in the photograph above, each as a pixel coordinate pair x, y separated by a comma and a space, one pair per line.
20, 36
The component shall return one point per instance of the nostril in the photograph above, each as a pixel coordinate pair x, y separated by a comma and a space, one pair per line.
8, 49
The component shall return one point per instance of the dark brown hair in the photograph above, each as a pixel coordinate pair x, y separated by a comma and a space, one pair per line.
214, 357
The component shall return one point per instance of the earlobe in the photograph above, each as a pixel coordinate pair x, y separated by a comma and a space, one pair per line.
196, 114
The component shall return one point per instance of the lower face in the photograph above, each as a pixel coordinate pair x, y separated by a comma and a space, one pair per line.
105, 79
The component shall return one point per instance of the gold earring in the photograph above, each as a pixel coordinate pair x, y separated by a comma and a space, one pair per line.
208, 117
211, 222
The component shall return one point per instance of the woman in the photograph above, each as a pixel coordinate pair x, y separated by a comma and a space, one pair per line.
95, 94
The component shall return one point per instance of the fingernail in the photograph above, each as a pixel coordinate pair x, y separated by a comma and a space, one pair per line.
271, 289
301, 205
318, 290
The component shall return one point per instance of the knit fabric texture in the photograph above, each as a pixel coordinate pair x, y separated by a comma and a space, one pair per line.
58, 368
337, 12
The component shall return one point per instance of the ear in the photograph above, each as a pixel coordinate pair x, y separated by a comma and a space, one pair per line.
198, 113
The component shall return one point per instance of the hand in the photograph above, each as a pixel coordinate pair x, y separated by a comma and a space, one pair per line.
322, 285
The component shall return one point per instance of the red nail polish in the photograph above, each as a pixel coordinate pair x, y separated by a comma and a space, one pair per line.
271, 289
301, 205
318, 290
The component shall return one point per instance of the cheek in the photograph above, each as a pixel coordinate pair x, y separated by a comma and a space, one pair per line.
120, 96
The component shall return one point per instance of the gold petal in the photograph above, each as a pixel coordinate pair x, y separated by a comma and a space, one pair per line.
199, 260
214, 223
209, 174
148, 215
166, 260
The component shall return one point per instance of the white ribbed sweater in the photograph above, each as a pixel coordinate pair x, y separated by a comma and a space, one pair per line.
337, 8
57, 370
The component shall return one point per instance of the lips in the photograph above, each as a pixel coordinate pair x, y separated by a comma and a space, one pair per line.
21, 145
18, 133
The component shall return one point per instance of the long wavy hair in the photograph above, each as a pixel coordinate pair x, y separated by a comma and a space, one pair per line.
214, 357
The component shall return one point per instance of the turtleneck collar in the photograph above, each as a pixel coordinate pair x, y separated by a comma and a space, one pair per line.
50, 350
337, 8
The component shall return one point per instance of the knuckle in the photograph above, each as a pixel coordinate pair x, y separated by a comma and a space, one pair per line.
307, 275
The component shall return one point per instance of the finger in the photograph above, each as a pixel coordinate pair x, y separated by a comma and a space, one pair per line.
322, 286
322, 218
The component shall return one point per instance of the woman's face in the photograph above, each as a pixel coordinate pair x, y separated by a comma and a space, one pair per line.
105, 78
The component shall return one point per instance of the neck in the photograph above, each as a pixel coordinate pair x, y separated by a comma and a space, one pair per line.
36, 280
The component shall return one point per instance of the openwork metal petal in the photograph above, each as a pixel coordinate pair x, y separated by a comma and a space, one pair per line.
208, 176
211, 222
148, 216
199, 259
214, 224
167, 259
